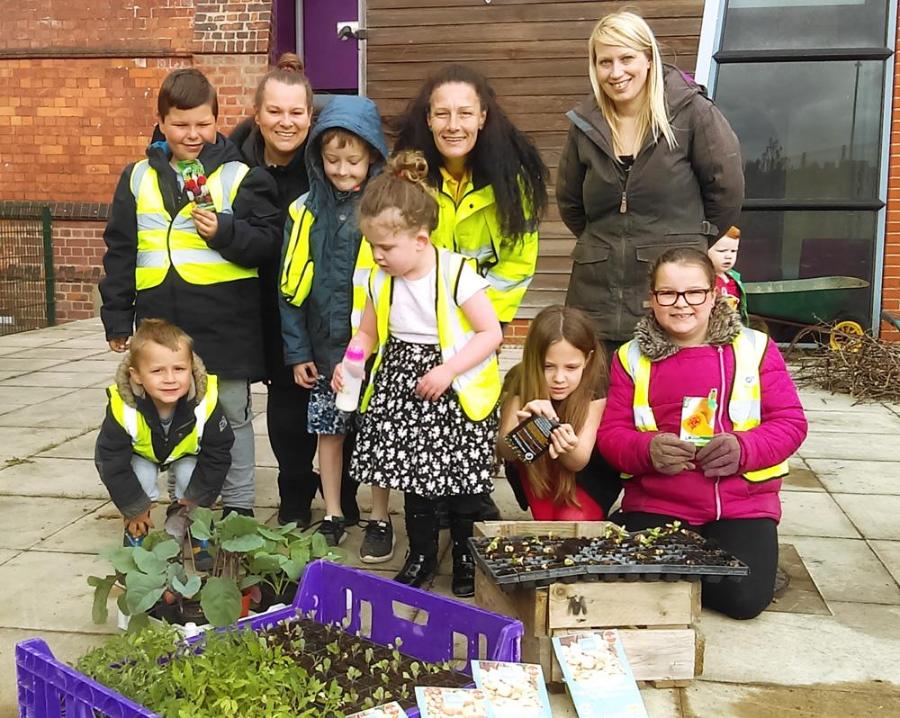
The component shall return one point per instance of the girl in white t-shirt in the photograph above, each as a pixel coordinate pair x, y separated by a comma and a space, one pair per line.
429, 411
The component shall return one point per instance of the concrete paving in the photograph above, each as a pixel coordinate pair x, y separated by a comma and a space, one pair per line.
840, 509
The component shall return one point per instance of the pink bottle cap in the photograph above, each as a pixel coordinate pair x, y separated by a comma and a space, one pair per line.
354, 353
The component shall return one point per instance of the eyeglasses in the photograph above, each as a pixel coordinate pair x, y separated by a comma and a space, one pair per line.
694, 297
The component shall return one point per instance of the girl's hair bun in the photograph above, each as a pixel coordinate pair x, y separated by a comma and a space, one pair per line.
409, 165
291, 62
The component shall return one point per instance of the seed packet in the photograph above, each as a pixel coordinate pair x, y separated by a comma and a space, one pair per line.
195, 185
388, 710
451, 702
698, 416
598, 676
513, 689
531, 438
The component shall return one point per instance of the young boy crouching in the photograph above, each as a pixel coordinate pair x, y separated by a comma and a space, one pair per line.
163, 413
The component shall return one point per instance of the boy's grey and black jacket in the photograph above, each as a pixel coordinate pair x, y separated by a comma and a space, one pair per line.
624, 218
319, 330
113, 450
222, 318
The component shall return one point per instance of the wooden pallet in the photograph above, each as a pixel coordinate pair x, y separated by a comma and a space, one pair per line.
656, 620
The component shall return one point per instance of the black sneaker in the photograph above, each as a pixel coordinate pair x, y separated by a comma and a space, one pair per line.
332, 528
378, 542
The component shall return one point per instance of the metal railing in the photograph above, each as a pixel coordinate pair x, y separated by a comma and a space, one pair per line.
27, 299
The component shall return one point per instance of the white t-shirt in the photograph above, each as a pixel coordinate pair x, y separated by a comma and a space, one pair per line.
413, 316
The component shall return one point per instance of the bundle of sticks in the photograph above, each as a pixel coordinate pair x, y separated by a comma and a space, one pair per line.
864, 367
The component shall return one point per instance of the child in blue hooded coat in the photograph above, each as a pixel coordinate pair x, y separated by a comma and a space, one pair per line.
321, 243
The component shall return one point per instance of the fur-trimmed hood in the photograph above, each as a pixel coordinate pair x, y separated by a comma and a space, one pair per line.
131, 392
655, 344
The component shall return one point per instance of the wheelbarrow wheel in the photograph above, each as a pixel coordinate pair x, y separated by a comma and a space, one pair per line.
843, 336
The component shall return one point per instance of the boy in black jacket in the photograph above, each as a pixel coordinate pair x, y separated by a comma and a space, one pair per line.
170, 257
163, 412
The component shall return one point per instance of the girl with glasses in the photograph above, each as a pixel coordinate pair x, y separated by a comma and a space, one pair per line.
701, 418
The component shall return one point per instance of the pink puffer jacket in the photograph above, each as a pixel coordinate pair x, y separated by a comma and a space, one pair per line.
676, 373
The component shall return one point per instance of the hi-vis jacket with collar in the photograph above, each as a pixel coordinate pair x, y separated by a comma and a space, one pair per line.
758, 404
477, 389
157, 264
132, 426
472, 228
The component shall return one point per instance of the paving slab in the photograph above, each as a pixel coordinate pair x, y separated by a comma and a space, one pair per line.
90, 397
819, 399
61, 577
64, 412
833, 445
7, 375
7, 553
74, 379
67, 647
264, 454
873, 420
21, 365
26, 340
19, 443
54, 351
807, 513
801, 595
86, 340
874, 515
40, 476
94, 531
846, 570
704, 698
102, 366
889, 553
847, 476
26, 520
801, 478
78, 447
860, 643
9, 349
26, 395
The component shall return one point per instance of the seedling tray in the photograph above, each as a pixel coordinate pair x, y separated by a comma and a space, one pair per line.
536, 561
329, 593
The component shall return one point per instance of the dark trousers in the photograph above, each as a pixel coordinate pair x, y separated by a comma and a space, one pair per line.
422, 524
753, 541
294, 447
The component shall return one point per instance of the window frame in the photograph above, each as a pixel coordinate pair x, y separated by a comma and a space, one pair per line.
710, 56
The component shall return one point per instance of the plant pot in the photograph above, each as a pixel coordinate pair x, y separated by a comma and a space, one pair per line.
268, 596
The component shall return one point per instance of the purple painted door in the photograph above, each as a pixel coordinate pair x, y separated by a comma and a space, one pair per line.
331, 63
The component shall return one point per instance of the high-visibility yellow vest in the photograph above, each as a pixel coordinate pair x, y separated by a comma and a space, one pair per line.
138, 429
744, 406
472, 228
165, 242
298, 268
478, 389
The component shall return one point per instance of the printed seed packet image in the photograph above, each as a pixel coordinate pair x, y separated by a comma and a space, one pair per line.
698, 416
598, 676
452, 702
513, 689
195, 186
531, 438
388, 710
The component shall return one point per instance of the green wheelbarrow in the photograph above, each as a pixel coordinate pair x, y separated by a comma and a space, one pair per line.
806, 303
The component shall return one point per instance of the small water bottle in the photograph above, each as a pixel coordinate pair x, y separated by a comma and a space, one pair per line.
354, 364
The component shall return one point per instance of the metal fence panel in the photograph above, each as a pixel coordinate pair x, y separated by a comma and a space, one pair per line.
26, 268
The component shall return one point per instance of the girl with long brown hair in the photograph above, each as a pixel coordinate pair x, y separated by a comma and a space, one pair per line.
562, 377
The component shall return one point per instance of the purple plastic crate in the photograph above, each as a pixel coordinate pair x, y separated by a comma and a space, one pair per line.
333, 593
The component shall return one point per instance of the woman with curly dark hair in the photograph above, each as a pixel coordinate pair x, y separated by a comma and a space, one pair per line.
490, 181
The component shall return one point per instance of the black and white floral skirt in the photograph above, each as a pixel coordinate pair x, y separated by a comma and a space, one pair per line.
427, 447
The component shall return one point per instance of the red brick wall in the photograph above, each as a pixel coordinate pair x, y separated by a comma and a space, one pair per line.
890, 295
77, 258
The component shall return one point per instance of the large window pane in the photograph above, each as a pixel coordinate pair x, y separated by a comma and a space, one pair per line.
802, 245
808, 130
804, 24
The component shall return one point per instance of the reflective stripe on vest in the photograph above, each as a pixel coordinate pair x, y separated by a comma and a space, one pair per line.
164, 241
744, 405
138, 429
478, 389
297, 266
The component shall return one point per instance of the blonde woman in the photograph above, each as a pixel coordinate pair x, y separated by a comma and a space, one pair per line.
649, 164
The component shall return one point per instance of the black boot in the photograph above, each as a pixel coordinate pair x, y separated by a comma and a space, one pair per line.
463, 584
236, 510
421, 563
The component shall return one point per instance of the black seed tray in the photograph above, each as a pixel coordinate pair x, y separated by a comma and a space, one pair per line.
621, 564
